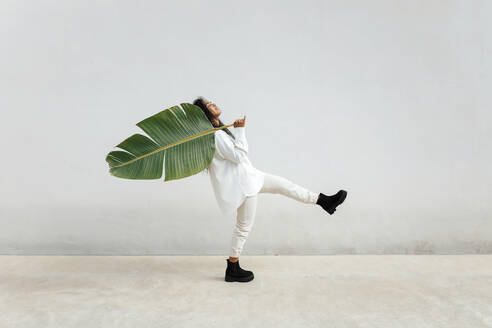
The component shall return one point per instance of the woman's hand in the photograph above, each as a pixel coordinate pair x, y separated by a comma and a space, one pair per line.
240, 122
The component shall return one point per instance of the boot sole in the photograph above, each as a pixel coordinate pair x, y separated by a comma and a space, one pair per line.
339, 201
241, 279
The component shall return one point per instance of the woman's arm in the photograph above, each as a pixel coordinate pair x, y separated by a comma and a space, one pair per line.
235, 151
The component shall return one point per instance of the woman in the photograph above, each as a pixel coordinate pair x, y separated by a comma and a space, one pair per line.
236, 184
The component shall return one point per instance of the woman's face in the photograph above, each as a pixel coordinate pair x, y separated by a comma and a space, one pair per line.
213, 108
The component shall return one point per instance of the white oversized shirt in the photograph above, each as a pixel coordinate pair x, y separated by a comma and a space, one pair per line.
232, 175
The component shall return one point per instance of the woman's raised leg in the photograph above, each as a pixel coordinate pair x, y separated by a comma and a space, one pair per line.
275, 184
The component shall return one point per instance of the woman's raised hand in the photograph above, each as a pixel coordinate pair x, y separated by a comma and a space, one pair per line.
240, 122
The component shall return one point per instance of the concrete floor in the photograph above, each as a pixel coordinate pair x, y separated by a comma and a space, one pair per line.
288, 291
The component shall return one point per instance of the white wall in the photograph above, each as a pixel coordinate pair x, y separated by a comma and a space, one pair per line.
389, 100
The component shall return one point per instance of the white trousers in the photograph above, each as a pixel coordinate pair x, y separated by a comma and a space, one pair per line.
273, 184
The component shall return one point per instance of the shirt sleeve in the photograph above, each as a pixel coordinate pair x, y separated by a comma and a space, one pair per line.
234, 150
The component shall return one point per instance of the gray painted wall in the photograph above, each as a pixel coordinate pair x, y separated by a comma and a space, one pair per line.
389, 100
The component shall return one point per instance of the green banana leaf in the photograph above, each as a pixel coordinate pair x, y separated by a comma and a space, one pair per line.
180, 139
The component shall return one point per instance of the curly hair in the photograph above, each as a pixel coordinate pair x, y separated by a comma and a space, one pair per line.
200, 103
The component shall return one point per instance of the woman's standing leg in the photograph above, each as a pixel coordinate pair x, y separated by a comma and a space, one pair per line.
275, 184
244, 222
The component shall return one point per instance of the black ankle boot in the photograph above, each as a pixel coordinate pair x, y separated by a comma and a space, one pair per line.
235, 273
330, 203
